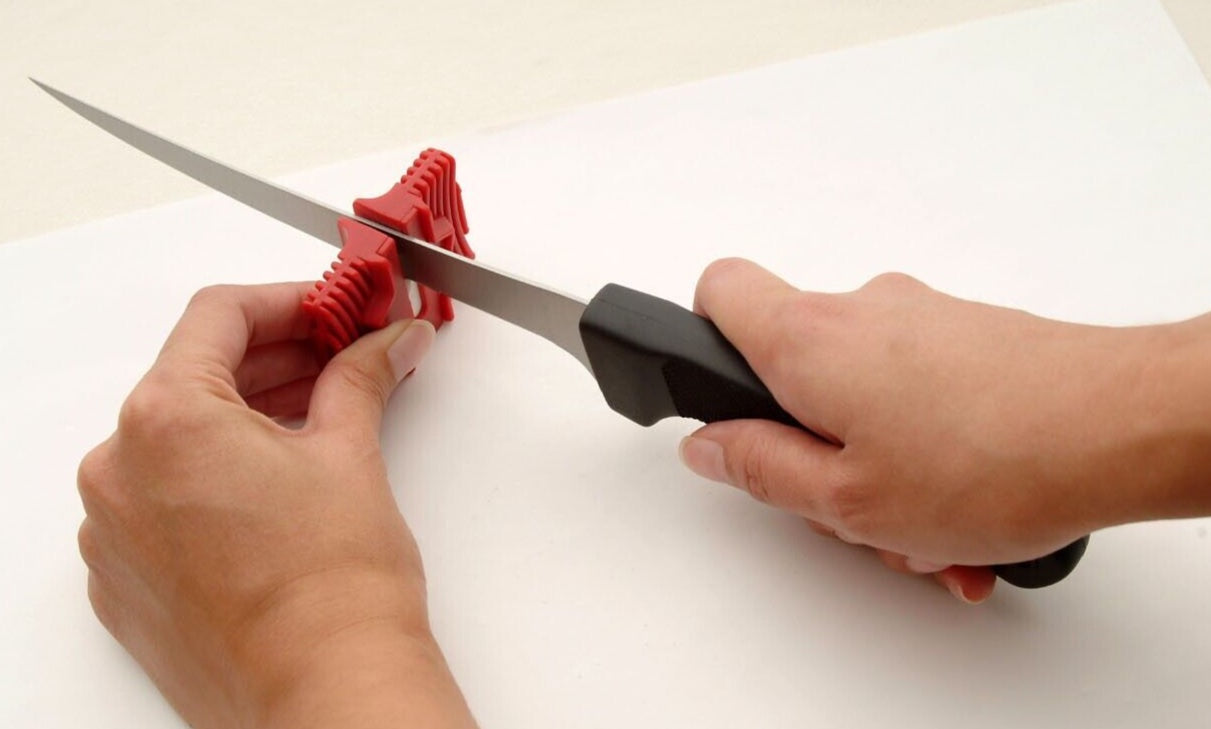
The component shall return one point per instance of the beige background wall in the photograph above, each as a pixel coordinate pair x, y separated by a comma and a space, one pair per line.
279, 87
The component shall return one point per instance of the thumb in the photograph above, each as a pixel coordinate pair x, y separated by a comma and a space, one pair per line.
353, 389
781, 465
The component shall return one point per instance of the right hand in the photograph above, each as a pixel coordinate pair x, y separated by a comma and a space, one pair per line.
950, 432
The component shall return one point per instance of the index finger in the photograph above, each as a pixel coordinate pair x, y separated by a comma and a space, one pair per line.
748, 304
222, 322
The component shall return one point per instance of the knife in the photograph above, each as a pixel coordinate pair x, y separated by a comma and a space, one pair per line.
651, 358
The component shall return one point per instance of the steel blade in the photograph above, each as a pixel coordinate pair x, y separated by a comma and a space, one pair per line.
551, 314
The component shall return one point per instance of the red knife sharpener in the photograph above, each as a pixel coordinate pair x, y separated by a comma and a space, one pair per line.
367, 288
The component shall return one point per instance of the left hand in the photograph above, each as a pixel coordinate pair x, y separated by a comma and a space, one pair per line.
263, 575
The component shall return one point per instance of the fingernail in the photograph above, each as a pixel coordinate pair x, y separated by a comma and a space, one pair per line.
409, 348
703, 457
956, 588
924, 566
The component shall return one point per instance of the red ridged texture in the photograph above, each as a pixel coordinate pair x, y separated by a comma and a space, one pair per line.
366, 288
427, 203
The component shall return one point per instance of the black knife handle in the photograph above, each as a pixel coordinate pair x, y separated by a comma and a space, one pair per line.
653, 360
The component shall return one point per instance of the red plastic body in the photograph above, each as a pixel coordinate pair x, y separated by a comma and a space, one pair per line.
366, 289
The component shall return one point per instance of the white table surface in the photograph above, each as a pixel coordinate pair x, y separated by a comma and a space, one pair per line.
578, 576
286, 86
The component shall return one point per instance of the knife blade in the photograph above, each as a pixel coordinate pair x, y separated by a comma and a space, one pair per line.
651, 358
536, 308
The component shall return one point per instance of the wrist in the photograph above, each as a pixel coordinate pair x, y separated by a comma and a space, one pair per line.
371, 674
1187, 370
345, 647
1169, 420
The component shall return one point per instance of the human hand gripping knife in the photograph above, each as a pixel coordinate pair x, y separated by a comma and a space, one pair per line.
651, 358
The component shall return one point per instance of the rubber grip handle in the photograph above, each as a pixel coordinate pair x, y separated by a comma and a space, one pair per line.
654, 359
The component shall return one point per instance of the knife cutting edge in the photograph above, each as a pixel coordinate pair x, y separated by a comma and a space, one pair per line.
651, 358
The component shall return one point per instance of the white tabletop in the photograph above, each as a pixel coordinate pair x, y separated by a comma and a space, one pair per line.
1058, 160
286, 86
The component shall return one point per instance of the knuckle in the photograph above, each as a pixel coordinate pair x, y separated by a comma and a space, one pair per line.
848, 498
802, 321
755, 473
211, 294
894, 281
149, 410
754, 480
92, 467
716, 275
89, 544
103, 605
364, 383
723, 267
142, 406
92, 478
